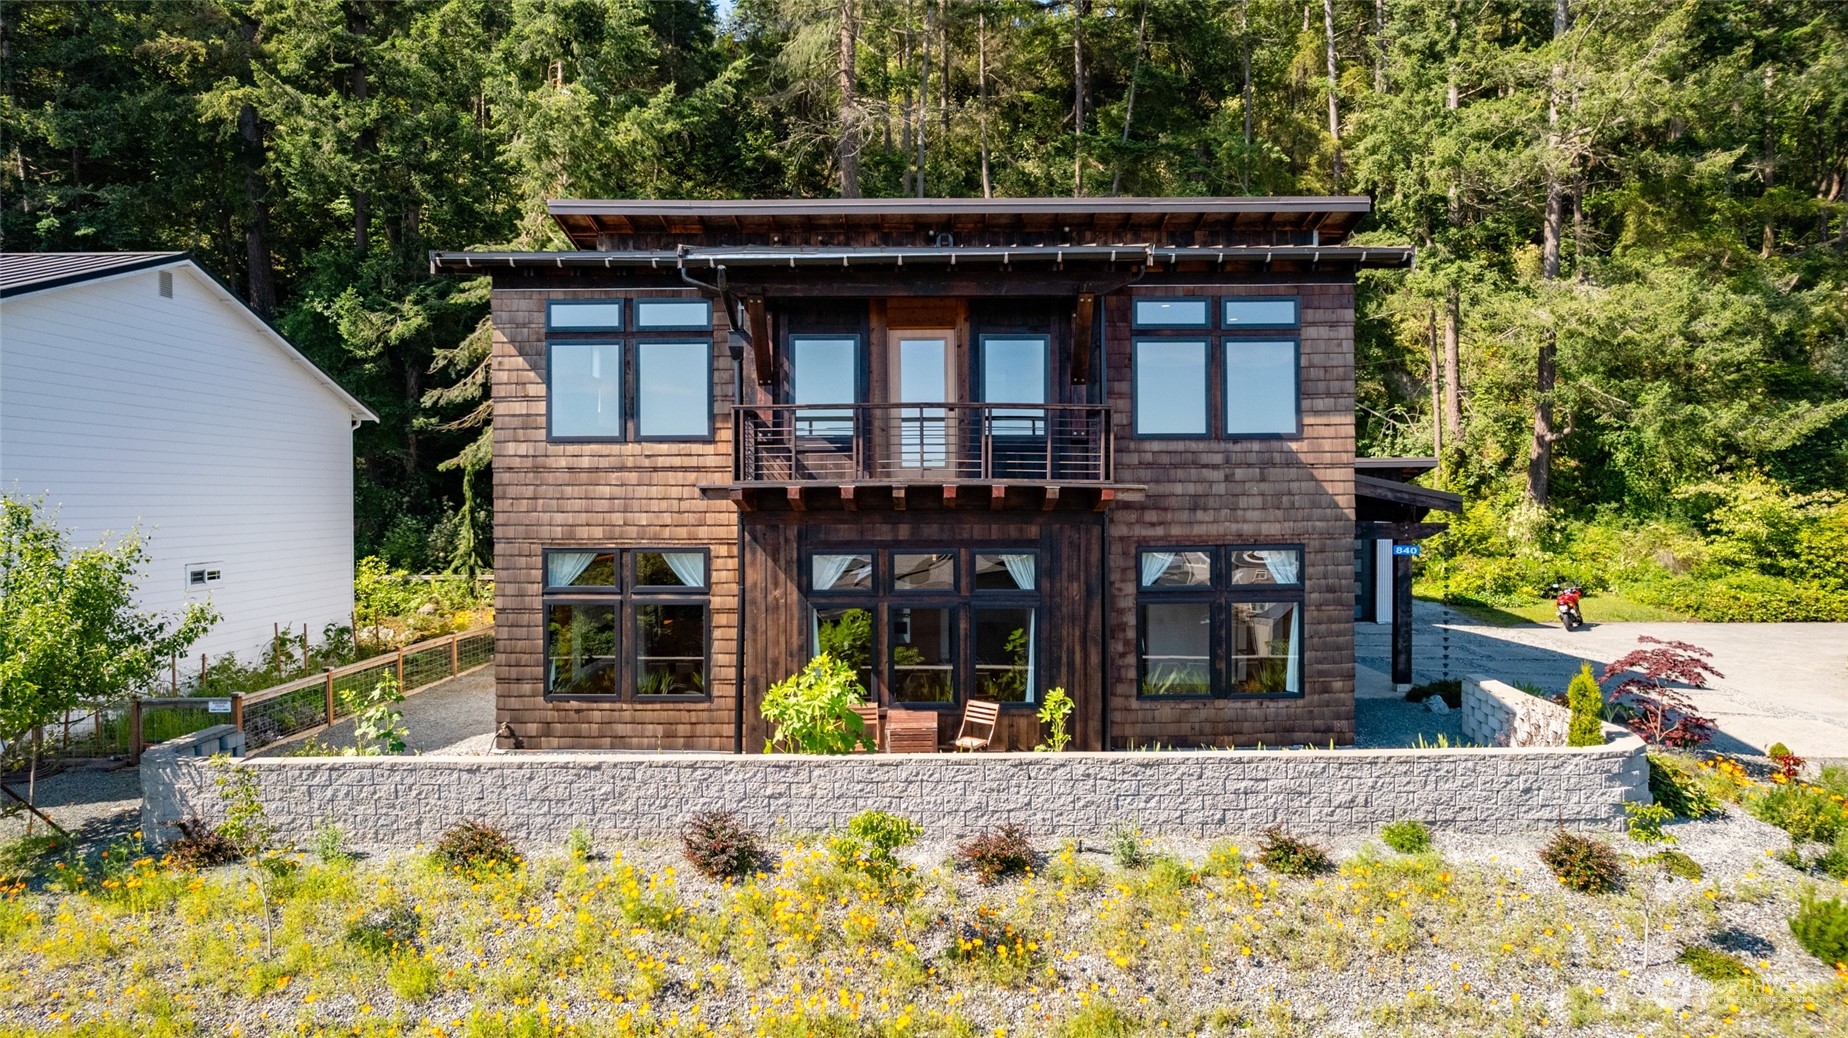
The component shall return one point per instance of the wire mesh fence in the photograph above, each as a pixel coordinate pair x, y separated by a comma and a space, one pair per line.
315, 702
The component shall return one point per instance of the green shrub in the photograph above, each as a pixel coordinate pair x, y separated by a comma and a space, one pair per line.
1678, 865
1586, 701
385, 932
1585, 864
1834, 778
1744, 598
1450, 690
579, 844
1126, 846
1290, 856
996, 854
20, 858
1675, 784
812, 711
329, 844
1713, 966
1805, 812
719, 846
1407, 836
1821, 927
1776, 750
1056, 713
1833, 862
474, 847
1645, 822
866, 845
1223, 859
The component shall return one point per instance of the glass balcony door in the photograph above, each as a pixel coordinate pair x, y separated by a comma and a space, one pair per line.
923, 381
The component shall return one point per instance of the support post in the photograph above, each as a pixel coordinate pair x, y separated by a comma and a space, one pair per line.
134, 730
329, 678
1402, 622
237, 710
400, 670
455, 655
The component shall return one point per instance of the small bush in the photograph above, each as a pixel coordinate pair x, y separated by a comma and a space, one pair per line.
387, 932
719, 846
1713, 966
411, 977
1833, 862
201, 846
1586, 701
1290, 856
578, 843
998, 853
1407, 836
1821, 927
1225, 860
1126, 846
1776, 750
868, 842
1805, 812
1676, 786
1585, 864
1834, 778
20, 858
329, 844
1678, 865
1645, 822
1788, 764
1449, 690
476, 847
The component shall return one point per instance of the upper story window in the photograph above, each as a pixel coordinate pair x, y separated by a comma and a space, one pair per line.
673, 390
591, 315
1260, 313
1169, 312
673, 315
584, 398
648, 389
1170, 385
1261, 388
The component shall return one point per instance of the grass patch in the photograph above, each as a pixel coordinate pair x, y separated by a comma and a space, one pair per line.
1595, 607
1714, 966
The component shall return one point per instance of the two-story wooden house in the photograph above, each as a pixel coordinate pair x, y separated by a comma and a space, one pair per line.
978, 448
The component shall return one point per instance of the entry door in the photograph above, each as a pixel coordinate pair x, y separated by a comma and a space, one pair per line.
923, 382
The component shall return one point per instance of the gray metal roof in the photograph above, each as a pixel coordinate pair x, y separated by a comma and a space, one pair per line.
22, 272
938, 206
772, 256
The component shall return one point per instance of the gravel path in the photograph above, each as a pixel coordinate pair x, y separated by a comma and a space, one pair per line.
1389, 723
95, 805
454, 716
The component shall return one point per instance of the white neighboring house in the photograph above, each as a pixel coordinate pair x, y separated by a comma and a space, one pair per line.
137, 392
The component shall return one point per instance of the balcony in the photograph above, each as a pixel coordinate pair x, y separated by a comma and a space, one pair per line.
949, 454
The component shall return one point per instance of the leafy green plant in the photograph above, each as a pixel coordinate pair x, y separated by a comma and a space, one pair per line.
997, 854
475, 848
1586, 701
1055, 713
1407, 836
378, 725
1713, 966
1450, 690
1676, 786
329, 844
867, 843
1645, 822
1805, 812
1583, 863
1291, 856
20, 858
1126, 847
246, 824
1776, 750
579, 844
720, 846
1678, 865
385, 932
1821, 927
812, 711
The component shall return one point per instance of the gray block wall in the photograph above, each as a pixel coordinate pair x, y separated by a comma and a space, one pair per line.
398, 802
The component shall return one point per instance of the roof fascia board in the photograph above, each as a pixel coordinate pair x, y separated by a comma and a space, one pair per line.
957, 206
701, 259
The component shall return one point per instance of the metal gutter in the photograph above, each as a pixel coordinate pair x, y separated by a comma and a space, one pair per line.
690, 258
955, 206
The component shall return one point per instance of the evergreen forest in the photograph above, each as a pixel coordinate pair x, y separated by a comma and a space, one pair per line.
1626, 335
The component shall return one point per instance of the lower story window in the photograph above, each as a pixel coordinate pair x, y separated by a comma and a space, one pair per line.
923, 654
670, 650
1264, 647
581, 649
1004, 641
1233, 627
1177, 649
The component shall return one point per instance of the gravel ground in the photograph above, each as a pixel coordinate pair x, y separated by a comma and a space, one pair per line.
1388, 723
95, 805
454, 716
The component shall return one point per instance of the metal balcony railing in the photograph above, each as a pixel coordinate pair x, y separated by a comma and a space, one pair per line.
784, 444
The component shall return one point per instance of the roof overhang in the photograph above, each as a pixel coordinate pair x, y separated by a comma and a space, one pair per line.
1407, 495
694, 260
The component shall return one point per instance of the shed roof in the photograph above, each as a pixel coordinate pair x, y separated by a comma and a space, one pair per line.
22, 272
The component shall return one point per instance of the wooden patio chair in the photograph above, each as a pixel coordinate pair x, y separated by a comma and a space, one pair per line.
869, 715
978, 725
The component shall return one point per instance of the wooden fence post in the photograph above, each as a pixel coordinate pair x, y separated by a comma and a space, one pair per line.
455, 655
329, 671
134, 730
237, 710
173, 668
400, 670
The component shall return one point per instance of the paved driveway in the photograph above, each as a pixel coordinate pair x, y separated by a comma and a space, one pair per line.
1783, 682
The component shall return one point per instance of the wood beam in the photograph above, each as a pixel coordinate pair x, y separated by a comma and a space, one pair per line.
1368, 529
1104, 497
741, 497
847, 500
1084, 318
1051, 500
898, 497
949, 495
757, 320
795, 499
997, 497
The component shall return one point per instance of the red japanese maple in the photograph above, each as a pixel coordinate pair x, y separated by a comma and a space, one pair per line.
1648, 701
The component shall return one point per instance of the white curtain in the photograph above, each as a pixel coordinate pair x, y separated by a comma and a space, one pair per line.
1032, 651
828, 569
1020, 567
1286, 567
563, 567
689, 566
1292, 676
1154, 564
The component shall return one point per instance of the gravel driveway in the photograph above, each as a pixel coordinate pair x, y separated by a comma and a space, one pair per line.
454, 716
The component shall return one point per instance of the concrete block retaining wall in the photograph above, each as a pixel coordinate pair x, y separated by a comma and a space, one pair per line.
397, 802
1498, 714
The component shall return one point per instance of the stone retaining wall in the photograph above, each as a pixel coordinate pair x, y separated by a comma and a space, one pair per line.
1498, 714
396, 802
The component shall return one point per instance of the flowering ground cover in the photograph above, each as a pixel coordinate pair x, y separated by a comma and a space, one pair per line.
1471, 937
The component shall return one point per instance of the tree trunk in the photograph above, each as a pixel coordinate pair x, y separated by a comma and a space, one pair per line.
850, 114
1078, 11
1244, 55
260, 272
1379, 46
981, 51
362, 199
1129, 104
943, 62
923, 95
904, 126
1334, 111
1453, 367
1540, 451
1769, 166
1437, 414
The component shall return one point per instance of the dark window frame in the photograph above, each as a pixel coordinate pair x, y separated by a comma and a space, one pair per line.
978, 371
1227, 324
1209, 412
625, 596
624, 390
1221, 594
637, 302
1204, 327
1225, 401
862, 374
620, 302
633, 421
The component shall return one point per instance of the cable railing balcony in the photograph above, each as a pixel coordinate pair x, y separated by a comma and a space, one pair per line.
843, 444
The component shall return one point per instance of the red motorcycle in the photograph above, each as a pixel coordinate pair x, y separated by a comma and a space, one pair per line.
1566, 601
